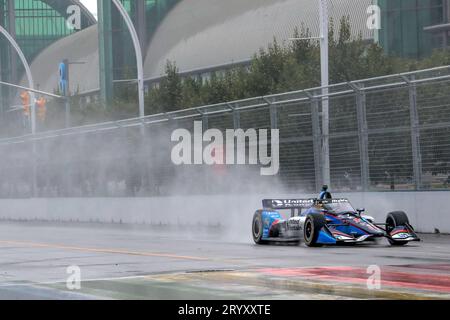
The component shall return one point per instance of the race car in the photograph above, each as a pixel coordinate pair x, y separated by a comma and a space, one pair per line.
326, 221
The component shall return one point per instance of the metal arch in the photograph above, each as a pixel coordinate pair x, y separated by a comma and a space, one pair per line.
139, 57
28, 74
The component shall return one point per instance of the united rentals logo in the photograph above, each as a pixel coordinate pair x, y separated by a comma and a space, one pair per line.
291, 203
277, 203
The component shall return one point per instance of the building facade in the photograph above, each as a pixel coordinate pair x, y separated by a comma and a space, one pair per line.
201, 36
35, 24
414, 28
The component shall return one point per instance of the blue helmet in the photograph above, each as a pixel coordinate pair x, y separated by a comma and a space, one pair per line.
324, 194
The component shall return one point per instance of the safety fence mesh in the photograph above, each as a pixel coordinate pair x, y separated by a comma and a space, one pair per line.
385, 134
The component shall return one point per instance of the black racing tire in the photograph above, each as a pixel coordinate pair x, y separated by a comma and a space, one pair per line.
394, 219
313, 224
258, 228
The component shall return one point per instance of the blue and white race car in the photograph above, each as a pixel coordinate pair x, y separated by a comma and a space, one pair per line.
326, 221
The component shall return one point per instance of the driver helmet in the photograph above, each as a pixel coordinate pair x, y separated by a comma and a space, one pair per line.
324, 194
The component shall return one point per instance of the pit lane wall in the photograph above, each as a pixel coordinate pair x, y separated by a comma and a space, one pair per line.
427, 211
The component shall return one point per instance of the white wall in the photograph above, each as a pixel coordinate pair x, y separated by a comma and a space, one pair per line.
426, 210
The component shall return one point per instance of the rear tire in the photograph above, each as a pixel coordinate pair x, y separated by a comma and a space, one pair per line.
313, 224
393, 220
258, 228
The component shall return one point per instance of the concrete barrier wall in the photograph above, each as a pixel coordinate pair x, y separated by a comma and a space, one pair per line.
427, 210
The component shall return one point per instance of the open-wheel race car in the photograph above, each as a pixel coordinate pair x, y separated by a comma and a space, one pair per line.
326, 221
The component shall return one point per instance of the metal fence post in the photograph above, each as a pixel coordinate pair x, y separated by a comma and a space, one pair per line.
68, 173
236, 119
2, 97
361, 112
273, 117
205, 122
415, 134
317, 142
34, 159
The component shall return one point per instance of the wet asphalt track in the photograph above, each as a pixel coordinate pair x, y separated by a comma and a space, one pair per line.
138, 262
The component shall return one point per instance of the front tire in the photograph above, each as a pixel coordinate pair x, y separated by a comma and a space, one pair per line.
393, 220
313, 224
258, 228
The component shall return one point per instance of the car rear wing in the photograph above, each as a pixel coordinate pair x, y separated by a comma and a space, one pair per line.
288, 203
297, 203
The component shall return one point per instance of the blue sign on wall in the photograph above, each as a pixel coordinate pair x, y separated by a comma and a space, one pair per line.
63, 72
